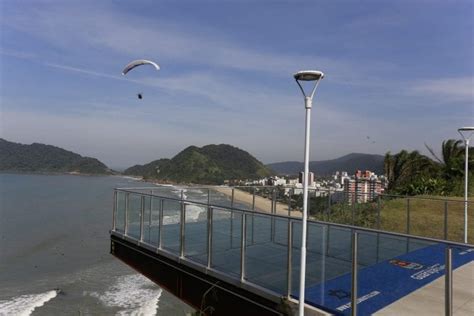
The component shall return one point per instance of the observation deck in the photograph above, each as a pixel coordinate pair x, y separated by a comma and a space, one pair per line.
236, 251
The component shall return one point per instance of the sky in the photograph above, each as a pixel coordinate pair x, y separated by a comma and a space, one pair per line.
399, 74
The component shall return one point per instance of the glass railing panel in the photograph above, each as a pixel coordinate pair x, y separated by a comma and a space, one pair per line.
147, 219
154, 221
296, 257
226, 241
243, 198
196, 233
393, 214
134, 215
171, 226
198, 195
455, 220
167, 191
425, 217
264, 200
261, 229
120, 211
341, 210
221, 196
280, 232
409, 276
266, 263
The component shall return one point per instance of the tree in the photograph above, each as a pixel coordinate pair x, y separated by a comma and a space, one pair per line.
452, 159
403, 168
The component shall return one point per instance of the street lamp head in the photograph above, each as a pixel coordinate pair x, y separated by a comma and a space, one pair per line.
309, 75
466, 132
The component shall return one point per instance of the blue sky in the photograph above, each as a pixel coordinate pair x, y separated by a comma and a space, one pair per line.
399, 72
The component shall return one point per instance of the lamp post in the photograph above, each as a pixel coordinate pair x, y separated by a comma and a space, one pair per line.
466, 133
316, 76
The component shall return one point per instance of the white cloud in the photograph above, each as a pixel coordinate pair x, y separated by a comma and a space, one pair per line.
456, 89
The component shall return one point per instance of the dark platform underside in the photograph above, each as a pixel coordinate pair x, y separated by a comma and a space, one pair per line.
200, 290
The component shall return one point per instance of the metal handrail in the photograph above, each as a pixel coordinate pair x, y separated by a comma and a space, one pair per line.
285, 217
418, 197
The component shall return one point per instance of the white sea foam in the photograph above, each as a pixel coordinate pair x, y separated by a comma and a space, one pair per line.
132, 295
24, 305
132, 178
192, 216
192, 211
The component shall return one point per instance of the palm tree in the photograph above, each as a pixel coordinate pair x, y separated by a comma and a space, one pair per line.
452, 158
402, 168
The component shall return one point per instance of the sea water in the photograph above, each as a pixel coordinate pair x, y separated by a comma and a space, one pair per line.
54, 250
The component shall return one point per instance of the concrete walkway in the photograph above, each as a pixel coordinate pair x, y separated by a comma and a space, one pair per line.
429, 300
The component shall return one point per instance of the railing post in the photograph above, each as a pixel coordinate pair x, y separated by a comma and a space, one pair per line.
209, 237
253, 199
232, 199
448, 285
378, 211
323, 259
353, 210
114, 211
289, 262
327, 239
253, 216
274, 201
446, 220
182, 226
408, 215
127, 202
272, 227
329, 205
354, 275
289, 202
160, 224
142, 216
150, 216
243, 231
232, 220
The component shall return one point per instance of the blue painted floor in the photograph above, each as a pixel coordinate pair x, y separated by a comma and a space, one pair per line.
386, 282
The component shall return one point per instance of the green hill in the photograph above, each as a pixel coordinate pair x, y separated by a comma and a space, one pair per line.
211, 164
350, 163
46, 158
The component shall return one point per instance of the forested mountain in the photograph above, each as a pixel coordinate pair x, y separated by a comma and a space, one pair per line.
349, 163
211, 164
46, 158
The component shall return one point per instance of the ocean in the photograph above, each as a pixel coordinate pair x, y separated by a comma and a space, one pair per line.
54, 251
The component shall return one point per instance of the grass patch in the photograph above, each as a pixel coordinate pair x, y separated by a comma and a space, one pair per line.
426, 216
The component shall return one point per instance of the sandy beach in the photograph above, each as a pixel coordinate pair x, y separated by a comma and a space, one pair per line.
262, 204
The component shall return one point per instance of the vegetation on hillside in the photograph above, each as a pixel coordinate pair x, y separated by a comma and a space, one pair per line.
411, 173
350, 162
211, 164
46, 158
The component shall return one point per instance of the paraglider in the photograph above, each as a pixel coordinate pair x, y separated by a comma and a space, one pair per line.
136, 63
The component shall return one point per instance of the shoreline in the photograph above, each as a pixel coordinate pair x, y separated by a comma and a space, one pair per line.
262, 205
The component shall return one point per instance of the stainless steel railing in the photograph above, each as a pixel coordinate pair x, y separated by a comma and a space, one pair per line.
122, 210
446, 211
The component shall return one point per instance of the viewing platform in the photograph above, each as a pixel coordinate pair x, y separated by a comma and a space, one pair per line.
236, 251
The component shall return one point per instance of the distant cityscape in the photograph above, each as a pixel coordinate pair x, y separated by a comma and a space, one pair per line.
360, 187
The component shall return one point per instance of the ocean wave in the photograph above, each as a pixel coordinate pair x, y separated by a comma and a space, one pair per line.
193, 213
24, 305
132, 294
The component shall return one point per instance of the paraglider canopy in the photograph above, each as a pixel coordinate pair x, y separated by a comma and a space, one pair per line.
139, 62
